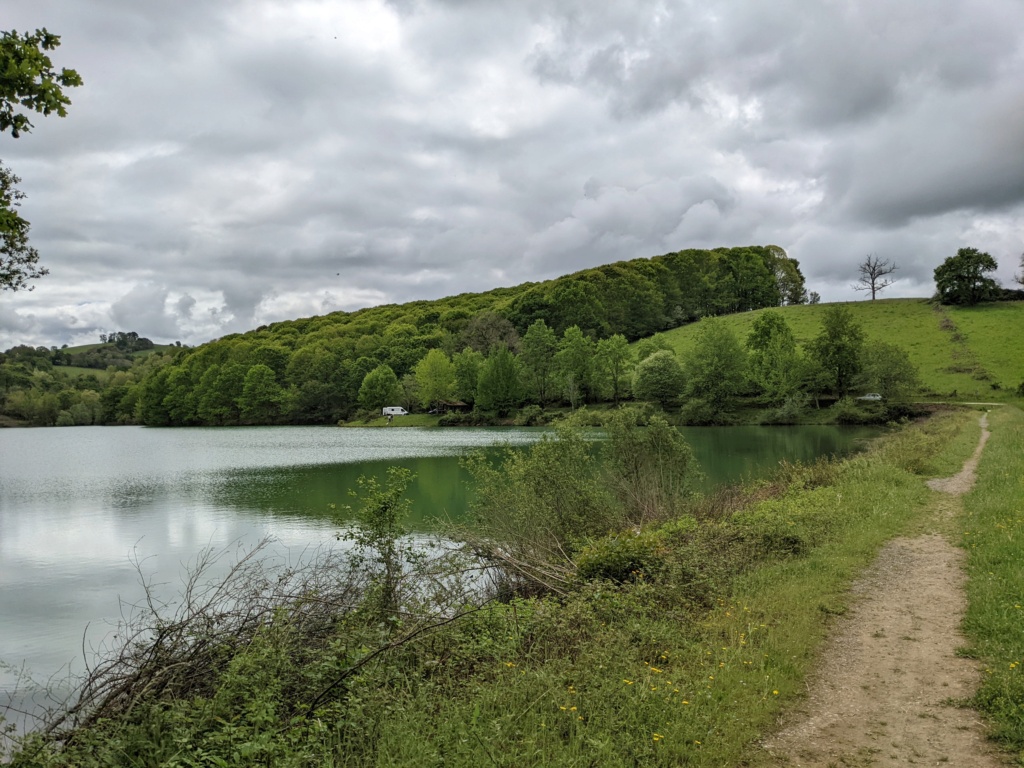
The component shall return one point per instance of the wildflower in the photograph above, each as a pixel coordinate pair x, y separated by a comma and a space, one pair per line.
572, 709
775, 693
627, 682
658, 737
509, 664
685, 701
656, 670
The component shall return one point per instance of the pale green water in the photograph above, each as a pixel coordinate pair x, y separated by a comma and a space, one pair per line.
78, 505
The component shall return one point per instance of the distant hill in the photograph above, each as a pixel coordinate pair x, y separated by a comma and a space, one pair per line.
967, 350
311, 370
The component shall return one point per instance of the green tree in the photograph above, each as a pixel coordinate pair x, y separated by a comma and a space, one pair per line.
659, 378
488, 329
410, 399
887, 370
27, 79
575, 361
774, 363
379, 388
467, 364
539, 347
613, 365
836, 350
261, 399
499, 388
716, 365
962, 279
647, 347
435, 376
219, 391
19, 262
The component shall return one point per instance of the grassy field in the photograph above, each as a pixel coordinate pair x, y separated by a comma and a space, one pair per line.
993, 534
74, 371
962, 350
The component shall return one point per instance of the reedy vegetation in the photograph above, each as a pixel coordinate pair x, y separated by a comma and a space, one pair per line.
669, 643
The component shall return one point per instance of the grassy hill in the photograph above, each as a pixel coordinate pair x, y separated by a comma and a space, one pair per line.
967, 350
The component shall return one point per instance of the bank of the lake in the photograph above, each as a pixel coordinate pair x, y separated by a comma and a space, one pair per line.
81, 507
683, 665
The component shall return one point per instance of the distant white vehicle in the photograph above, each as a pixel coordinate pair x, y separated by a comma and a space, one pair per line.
870, 396
395, 410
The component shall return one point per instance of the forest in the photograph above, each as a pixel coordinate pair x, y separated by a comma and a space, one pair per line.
560, 341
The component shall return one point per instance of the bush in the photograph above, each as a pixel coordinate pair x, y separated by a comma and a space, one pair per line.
847, 411
790, 411
700, 413
630, 556
531, 416
472, 418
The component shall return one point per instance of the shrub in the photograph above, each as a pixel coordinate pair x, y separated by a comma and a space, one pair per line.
699, 412
531, 416
631, 555
847, 411
789, 412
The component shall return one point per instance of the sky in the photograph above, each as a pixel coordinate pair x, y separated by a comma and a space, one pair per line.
233, 163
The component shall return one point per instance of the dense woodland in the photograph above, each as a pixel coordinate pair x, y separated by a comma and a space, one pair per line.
561, 341
506, 352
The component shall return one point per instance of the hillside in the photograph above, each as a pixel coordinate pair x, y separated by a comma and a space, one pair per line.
967, 350
313, 370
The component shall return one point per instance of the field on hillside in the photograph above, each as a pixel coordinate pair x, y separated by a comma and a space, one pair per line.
961, 350
74, 371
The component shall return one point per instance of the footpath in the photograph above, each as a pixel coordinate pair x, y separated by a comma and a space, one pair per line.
888, 687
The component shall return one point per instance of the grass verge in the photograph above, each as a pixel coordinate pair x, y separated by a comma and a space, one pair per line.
993, 535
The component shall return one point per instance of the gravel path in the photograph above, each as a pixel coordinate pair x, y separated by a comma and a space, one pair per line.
885, 691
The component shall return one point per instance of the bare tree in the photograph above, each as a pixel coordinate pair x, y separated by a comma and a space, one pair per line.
1020, 277
873, 271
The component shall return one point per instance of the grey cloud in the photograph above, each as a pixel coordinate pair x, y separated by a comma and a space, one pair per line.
144, 307
243, 164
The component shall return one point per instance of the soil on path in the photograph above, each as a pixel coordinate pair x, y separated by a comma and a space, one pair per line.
886, 689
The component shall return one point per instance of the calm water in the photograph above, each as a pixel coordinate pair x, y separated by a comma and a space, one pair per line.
79, 506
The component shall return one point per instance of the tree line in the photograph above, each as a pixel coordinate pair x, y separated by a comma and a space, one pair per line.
314, 370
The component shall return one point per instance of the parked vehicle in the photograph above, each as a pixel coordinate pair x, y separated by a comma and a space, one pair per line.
394, 410
870, 396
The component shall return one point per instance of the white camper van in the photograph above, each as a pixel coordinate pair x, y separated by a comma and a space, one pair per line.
395, 410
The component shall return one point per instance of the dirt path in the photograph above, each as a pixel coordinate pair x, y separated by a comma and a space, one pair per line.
882, 694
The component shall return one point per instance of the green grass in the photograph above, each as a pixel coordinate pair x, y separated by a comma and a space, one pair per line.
993, 535
411, 420
74, 371
992, 336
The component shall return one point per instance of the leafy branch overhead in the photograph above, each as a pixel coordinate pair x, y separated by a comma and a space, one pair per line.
27, 80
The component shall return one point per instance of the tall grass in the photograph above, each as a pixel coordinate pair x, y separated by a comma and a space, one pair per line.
993, 535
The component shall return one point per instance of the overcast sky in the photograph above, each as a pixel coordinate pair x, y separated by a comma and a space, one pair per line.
234, 162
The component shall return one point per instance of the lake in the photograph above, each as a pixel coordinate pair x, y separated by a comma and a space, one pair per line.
79, 507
